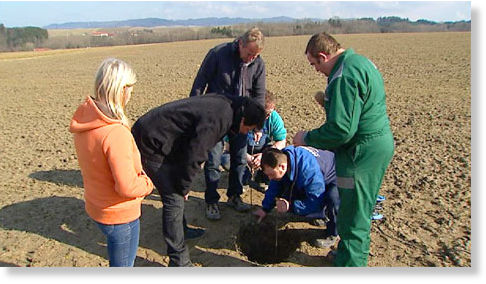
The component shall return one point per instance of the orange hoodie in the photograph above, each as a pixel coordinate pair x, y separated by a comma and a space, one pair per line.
114, 182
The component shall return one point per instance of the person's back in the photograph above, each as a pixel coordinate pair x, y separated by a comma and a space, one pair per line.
99, 140
168, 129
327, 163
359, 70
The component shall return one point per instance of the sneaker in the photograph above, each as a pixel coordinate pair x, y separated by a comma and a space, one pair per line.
325, 243
376, 216
212, 211
193, 233
236, 202
318, 222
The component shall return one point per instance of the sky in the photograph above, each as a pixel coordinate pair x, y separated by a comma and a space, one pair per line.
43, 13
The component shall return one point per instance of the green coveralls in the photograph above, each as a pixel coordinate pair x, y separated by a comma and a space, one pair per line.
357, 128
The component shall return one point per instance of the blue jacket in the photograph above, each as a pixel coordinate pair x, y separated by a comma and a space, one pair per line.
308, 168
220, 72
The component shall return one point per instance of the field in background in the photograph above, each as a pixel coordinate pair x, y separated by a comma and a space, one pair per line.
427, 186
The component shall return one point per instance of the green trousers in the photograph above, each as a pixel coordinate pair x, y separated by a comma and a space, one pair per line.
360, 169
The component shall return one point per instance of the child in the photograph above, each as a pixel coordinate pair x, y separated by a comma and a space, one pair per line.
114, 182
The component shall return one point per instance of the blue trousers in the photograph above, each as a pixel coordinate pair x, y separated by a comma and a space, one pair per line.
122, 242
237, 168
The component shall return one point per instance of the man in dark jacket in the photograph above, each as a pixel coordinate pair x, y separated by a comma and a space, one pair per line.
231, 69
174, 139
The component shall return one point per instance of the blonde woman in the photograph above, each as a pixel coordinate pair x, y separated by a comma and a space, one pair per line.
114, 182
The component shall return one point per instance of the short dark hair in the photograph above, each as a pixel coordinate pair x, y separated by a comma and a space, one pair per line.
253, 113
273, 157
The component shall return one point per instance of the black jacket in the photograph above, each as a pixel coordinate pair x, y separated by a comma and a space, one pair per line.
220, 72
182, 132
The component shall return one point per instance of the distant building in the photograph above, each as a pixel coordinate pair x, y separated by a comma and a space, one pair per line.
102, 34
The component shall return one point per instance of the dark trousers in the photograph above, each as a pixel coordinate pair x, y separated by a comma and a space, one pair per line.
212, 173
172, 212
331, 208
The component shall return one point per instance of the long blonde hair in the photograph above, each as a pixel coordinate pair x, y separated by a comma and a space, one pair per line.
113, 76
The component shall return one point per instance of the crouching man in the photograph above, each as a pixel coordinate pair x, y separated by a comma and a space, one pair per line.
302, 181
174, 140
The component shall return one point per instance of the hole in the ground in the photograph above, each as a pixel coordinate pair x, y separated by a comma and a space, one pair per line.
257, 242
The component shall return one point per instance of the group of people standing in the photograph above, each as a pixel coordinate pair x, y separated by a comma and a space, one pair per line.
336, 169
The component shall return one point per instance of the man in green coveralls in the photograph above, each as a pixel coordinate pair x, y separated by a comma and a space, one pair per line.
357, 129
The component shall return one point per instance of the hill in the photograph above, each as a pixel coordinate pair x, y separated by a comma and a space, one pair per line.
157, 22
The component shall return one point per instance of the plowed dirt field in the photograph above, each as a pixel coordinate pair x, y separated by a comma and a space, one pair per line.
427, 212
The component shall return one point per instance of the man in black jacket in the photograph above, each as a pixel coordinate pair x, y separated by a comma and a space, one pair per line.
231, 69
174, 140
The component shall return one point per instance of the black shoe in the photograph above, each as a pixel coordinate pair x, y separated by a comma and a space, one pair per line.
236, 203
187, 264
191, 234
261, 187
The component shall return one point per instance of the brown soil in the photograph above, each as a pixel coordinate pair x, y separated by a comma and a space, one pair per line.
428, 184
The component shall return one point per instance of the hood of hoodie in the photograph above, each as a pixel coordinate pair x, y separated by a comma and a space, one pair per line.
88, 117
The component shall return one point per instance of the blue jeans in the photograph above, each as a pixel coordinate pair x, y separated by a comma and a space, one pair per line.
122, 242
237, 168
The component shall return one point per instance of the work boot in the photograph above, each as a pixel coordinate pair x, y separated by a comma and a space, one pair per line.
212, 211
236, 202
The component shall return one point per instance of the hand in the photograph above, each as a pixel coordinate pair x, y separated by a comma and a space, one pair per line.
260, 214
282, 205
186, 197
299, 138
256, 161
257, 135
319, 97
249, 160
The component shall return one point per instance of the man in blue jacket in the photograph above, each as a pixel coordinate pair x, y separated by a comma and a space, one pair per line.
302, 181
231, 69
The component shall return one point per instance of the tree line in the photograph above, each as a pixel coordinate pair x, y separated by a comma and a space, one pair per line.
28, 38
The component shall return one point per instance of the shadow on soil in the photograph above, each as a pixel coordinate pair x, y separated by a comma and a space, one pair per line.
65, 220
61, 177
